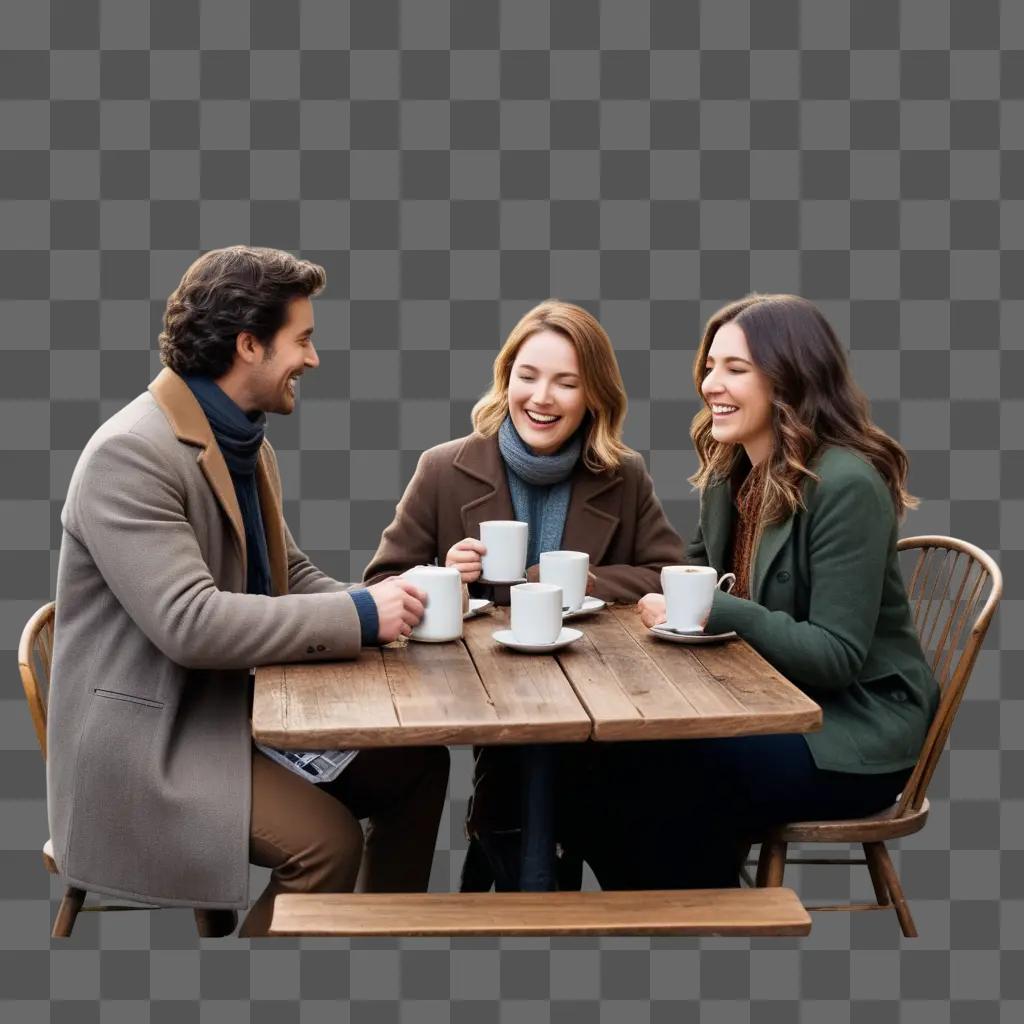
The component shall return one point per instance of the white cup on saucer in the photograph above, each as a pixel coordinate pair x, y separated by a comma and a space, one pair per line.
568, 570
536, 613
442, 615
505, 540
689, 591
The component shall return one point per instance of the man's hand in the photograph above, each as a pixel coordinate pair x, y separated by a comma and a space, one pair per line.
399, 607
465, 556
652, 609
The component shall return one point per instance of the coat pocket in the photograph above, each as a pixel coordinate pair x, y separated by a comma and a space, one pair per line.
130, 697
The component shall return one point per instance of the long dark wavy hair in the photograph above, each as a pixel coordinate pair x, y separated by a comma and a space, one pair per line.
815, 402
225, 292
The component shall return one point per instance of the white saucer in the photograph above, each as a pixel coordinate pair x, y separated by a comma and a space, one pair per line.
476, 606
590, 604
501, 583
664, 632
506, 638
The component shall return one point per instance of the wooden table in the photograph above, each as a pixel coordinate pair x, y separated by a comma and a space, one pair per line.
616, 683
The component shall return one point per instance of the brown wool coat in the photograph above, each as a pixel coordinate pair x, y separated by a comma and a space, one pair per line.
615, 517
148, 776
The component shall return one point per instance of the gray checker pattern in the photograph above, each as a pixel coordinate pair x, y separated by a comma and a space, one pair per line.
451, 163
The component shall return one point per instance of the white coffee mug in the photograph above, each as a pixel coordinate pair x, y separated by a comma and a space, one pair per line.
568, 570
505, 540
536, 613
689, 591
442, 615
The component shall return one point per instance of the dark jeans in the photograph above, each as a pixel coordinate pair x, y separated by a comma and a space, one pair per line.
515, 817
678, 814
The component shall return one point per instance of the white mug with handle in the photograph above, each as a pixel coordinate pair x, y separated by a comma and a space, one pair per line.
689, 591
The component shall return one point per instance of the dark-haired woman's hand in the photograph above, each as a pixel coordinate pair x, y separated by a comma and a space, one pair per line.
652, 609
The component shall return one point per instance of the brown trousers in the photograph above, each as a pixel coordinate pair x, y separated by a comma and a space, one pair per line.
311, 837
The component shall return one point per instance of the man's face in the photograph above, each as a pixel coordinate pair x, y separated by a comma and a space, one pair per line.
274, 380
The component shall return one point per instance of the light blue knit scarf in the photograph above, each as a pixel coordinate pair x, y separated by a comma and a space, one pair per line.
540, 486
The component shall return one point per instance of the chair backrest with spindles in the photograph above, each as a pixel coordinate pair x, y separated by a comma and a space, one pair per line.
35, 652
953, 588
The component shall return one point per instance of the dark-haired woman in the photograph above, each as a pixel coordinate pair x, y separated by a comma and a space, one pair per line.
800, 498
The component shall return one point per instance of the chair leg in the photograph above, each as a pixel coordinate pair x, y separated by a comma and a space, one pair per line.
215, 924
68, 910
892, 884
877, 876
771, 865
742, 854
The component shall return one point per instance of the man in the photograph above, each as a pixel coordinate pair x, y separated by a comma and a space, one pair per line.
177, 575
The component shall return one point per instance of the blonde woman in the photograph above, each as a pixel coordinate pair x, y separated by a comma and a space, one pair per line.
546, 449
801, 496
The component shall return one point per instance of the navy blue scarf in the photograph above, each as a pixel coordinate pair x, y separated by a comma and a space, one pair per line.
239, 436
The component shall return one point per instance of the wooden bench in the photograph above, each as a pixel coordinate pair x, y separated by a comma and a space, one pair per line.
749, 912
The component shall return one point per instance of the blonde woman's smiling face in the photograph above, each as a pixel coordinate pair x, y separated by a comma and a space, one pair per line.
738, 394
545, 392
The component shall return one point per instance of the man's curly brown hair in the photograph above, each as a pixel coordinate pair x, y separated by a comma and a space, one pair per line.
225, 292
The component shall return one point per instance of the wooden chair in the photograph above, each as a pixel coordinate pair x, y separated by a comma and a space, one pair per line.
946, 590
35, 652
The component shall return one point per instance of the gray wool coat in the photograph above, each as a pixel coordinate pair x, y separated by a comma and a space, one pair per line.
148, 776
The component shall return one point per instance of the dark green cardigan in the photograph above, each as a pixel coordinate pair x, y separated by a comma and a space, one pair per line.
829, 610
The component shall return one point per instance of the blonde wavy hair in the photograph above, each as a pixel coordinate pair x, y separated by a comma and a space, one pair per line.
815, 402
603, 391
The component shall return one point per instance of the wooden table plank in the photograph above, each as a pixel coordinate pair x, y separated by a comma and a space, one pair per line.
470, 691
300, 706
534, 700
635, 686
775, 911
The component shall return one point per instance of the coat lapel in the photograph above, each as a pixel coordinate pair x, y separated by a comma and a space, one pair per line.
772, 541
594, 512
273, 524
716, 516
716, 521
190, 425
480, 460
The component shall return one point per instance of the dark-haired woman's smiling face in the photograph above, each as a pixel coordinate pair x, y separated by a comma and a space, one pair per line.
738, 394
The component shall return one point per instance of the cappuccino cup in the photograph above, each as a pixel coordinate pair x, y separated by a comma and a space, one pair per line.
689, 591
505, 540
536, 613
442, 614
568, 570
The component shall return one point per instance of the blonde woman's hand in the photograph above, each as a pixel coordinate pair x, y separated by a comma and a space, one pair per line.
465, 556
652, 609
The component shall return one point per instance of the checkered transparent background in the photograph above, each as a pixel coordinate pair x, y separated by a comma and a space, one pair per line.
452, 163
